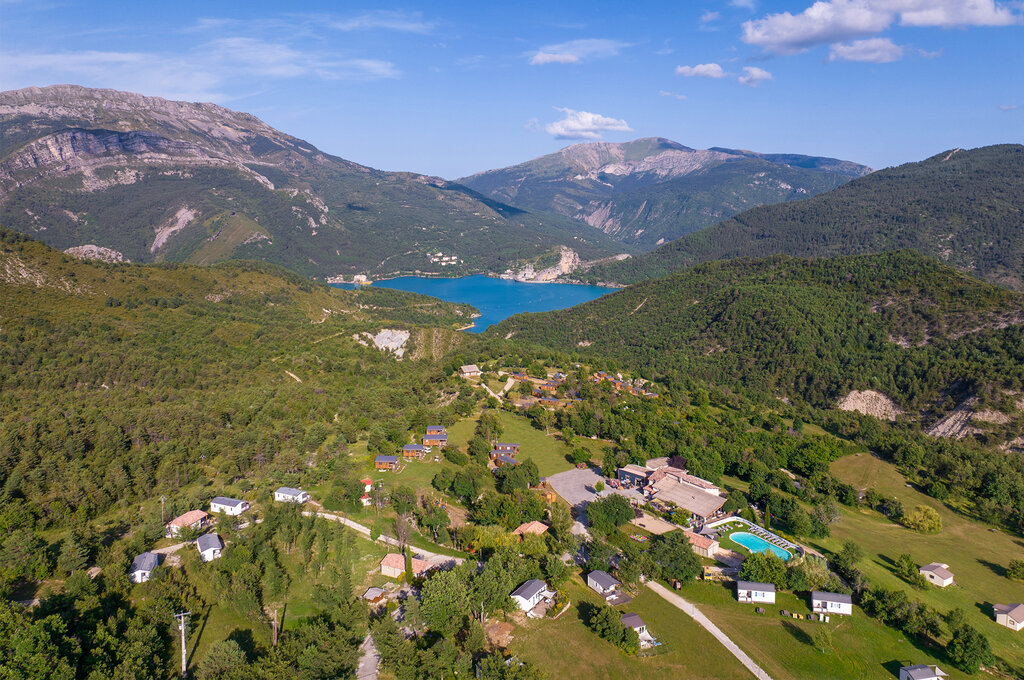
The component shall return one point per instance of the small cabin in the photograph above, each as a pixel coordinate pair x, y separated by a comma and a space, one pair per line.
375, 595
1009, 615
503, 460
631, 620
749, 591
393, 565
528, 595
192, 520
287, 494
228, 506
210, 547
507, 447
937, 574
385, 462
435, 440
436, 429
831, 603
143, 566
602, 582
412, 451
469, 371
922, 672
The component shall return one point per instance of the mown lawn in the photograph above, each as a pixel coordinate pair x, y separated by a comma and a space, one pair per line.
976, 554
566, 648
861, 647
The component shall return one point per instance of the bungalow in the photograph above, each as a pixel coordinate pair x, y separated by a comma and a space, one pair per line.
375, 595
633, 475
228, 506
528, 595
922, 672
470, 371
747, 591
412, 451
385, 462
548, 401
507, 447
210, 547
287, 494
519, 375
503, 460
549, 386
831, 603
535, 528
702, 545
436, 429
937, 574
143, 566
193, 520
435, 439
393, 565
1009, 615
602, 582
634, 621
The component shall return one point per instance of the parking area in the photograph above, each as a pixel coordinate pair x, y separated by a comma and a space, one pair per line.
577, 487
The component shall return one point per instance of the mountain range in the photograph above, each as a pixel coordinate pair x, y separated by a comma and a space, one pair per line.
653, 190
123, 176
965, 207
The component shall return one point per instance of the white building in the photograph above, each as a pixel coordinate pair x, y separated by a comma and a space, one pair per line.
228, 506
937, 574
142, 567
922, 672
748, 591
831, 603
286, 494
1009, 615
193, 520
602, 582
529, 595
210, 547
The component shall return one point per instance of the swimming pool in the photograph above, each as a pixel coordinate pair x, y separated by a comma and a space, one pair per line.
757, 544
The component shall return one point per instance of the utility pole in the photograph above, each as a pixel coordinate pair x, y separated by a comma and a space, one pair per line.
182, 623
163, 520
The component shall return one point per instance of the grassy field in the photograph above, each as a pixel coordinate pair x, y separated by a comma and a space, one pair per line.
861, 647
976, 554
567, 648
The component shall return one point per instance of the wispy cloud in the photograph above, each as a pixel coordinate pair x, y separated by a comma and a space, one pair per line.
753, 76
709, 16
832, 21
1008, 107
744, 4
576, 51
584, 125
405, 22
925, 54
711, 70
873, 50
666, 93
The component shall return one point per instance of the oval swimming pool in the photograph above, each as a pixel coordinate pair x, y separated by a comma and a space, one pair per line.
757, 544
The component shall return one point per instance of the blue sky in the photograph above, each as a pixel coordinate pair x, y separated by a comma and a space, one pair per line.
451, 88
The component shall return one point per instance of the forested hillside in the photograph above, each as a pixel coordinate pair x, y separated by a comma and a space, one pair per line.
653, 190
900, 323
159, 180
965, 207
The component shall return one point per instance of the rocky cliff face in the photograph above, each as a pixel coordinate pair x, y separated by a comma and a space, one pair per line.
161, 180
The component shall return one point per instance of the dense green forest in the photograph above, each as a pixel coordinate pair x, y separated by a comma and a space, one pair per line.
900, 323
963, 206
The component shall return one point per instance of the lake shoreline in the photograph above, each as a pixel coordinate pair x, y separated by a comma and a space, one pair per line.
420, 275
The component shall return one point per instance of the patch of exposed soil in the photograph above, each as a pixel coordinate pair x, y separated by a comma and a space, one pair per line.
871, 403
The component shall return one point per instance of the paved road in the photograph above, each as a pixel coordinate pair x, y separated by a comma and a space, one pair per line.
707, 624
432, 557
577, 487
369, 662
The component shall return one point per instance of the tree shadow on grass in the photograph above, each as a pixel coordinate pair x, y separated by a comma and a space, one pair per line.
797, 632
893, 667
586, 612
997, 569
245, 640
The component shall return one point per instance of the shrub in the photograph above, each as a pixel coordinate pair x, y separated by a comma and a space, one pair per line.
924, 520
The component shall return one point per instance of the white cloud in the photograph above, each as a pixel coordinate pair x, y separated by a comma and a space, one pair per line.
404, 22
1008, 107
829, 21
584, 125
753, 75
874, 50
666, 93
576, 51
701, 71
709, 16
744, 4
925, 54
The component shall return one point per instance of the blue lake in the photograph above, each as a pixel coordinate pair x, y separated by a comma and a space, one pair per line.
497, 299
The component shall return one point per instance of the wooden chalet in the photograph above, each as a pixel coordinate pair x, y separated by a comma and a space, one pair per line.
435, 440
507, 447
385, 462
503, 460
412, 451
436, 429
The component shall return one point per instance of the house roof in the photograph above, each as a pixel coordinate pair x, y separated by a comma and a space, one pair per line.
655, 463
438, 436
147, 561
413, 447
1014, 611
702, 542
289, 491
530, 589
469, 368
366, 481
373, 593
440, 428
386, 459
397, 561
506, 445
188, 519
940, 570
602, 578
698, 502
753, 585
831, 597
922, 672
635, 469
209, 542
533, 527
508, 459
697, 481
631, 620
230, 502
